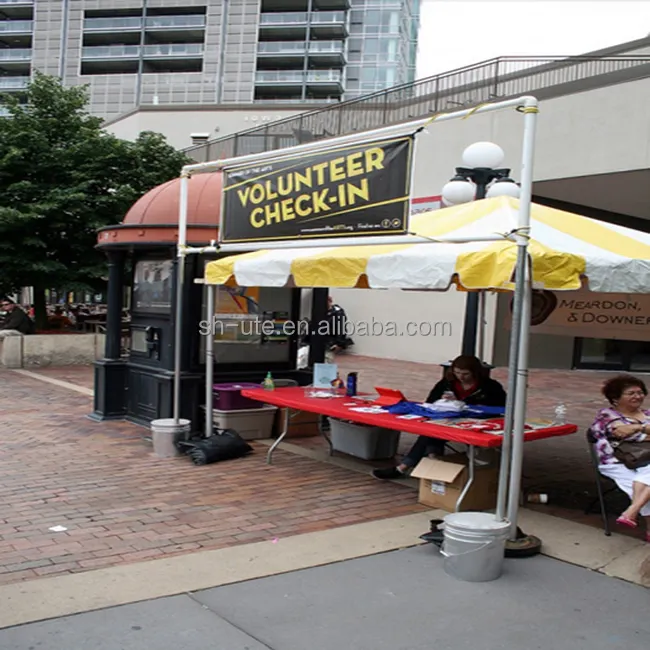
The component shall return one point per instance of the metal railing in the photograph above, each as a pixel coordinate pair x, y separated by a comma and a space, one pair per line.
160, 22
133, 51
9, 83
300, 47
111, 24
285, 18
16, 2
16, 26
15, 54
297, 76
492, 80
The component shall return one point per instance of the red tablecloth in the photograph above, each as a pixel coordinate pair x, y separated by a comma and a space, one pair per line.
335, 407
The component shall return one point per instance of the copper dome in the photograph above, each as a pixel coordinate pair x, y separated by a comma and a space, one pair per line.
153, 219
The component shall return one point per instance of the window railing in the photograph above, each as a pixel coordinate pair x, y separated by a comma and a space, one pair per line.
291, 18
488, 81
111, 52
156, 22
288, 47
14, 82
112, 24
15, 54
279, 76
16, 2
326, 47
184, 49
13, 26
324, 75
327, 17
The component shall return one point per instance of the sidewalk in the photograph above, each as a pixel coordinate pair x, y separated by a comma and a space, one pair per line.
402, 600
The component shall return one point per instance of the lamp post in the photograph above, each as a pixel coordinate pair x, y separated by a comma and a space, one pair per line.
480, 177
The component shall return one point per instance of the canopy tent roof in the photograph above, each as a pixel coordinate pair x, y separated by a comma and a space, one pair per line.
568, 251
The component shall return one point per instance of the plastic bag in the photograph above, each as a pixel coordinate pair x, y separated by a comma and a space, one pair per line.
225, 445
454, 406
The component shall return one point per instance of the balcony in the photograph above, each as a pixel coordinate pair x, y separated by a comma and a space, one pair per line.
14, 3
16, 54
175, 22
133, 51
329, 24
112, 24
279, 52
95, 53
13, 83
16, 27
193, 50
327, 81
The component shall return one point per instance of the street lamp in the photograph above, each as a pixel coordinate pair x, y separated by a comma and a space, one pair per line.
480, 177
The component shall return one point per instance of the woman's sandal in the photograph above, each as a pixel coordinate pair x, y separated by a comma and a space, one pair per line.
624, 521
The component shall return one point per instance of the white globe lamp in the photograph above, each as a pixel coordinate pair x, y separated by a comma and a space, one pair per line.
505, 187
457, 191
486, 155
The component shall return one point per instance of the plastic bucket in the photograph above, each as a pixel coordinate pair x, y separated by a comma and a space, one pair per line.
166, 433
474, 546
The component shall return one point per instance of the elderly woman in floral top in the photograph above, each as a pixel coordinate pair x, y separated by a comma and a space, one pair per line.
625, 419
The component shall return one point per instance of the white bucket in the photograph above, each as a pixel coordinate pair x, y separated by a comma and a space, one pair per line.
474, 546
165, 433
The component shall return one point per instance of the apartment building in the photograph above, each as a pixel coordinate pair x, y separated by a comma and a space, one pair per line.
143, 52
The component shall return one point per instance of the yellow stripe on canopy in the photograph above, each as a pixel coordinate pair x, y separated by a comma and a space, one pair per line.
340, 267
494, 267
590, 231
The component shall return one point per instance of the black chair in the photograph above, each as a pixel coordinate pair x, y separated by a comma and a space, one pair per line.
600, 481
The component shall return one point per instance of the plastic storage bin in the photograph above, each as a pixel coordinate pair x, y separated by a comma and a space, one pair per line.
250, 424
228, 397
363, 441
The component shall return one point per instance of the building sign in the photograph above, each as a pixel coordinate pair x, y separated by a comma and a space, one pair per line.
357, 190
590, 315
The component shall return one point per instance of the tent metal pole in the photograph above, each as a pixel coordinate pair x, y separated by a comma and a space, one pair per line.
209, 359
524, 287
513, 356
180, 280
520, 403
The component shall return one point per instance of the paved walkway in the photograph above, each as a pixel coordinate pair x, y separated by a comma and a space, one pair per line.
120, 504
401, 600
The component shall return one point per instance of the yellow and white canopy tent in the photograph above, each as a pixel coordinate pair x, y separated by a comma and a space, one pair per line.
567, 251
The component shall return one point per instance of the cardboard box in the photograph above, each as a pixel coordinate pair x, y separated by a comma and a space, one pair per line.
442, 481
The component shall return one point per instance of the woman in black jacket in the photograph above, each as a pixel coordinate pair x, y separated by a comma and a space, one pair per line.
465, 381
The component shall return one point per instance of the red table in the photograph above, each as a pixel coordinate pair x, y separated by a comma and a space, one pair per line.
339, 407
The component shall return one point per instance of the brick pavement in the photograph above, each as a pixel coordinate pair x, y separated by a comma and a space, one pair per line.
122, 504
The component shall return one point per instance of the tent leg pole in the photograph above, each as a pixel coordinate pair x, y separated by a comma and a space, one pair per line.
513, 362
209, 361
520, 405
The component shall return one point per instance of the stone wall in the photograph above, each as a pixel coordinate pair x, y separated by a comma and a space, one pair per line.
40, 350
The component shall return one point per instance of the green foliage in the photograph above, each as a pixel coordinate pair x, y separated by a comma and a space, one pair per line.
61, 178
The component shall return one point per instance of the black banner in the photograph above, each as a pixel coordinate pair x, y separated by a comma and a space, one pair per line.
352, 191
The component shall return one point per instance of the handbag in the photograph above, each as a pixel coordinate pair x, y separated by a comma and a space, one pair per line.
632, 454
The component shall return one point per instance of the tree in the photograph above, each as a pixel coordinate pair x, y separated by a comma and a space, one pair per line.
61, 178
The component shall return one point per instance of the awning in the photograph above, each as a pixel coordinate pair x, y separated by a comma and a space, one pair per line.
568, 250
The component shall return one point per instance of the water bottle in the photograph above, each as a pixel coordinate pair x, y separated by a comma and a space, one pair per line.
351, 384
560, 415
268, 383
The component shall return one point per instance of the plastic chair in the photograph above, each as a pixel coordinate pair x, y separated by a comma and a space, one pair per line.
285, 383
600, 479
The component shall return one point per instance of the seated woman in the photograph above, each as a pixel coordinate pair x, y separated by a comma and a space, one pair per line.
625, 419
466, 381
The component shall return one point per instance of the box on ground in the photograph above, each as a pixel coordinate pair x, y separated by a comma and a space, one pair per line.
302, 424
442, 481
250, 424
363, 441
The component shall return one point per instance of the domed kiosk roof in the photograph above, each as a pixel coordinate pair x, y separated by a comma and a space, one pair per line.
153, 218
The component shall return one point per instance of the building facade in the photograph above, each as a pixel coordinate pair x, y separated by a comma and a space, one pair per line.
148, 52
